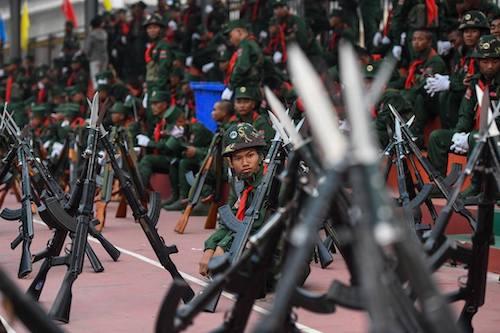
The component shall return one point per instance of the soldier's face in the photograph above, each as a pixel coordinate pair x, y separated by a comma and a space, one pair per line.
77, 98
471, 36
117, 118
245, 162
157, 108
489, 67
244, 106
280, 11
235, 36
153, 31
455, 39
495, 28
421, 41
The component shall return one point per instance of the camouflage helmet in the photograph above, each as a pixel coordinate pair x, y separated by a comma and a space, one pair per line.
242, 136
154, 19
488, 47
474, 19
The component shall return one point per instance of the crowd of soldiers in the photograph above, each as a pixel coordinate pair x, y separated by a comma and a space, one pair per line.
142, 66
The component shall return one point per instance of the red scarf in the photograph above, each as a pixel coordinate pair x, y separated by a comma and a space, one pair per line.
255, 11
42, 93
8, 88
334, 39
147, 55
240, 214
432, 11
157, 131
281, 32
411, 72
77, 122
230, 68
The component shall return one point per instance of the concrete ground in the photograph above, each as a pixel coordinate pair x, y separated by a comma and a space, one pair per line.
127, 295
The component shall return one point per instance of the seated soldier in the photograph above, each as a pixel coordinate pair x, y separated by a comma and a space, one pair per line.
42, 128
222, 113
459, 139
71, 126
187, 146
156, 160
243, 146
246, 106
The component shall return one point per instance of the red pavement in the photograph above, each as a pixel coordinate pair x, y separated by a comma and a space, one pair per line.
127, 295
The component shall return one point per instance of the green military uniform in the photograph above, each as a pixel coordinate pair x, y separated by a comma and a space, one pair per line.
259, 122
79, 76
240, 136
468, 114
371, 13
247, 68
158, 161
196, 135
422, 66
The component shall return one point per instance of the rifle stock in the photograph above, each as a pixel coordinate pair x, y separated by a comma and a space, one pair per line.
211, 220
183, 220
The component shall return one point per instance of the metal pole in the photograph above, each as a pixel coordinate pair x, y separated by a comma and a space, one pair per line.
15, 28
91, 7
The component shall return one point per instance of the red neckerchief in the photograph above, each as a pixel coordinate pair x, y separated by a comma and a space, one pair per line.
255, 10
147, 54
40, 97
230, 67
471, 69
236, 119
71, 78
281, 32
413, 68
387, 25
124, 28
432, 11
240, 214
334, 39
8, 88
185, 17
157, 131
77, 122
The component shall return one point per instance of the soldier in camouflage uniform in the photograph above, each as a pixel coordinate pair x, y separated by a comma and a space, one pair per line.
460, 139
188, 145
244, 148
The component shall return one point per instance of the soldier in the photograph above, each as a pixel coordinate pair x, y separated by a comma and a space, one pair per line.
426, 63
42, 127
244, 148
473, 25
70, 42
156, 160
246, 106
136, 41
245, 64
495, 26
459, 139
188, 144
77, 96
79, 75
42, 84
339, 29
71, 126
191, 19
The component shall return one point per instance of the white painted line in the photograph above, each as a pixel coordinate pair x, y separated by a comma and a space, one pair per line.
188, 277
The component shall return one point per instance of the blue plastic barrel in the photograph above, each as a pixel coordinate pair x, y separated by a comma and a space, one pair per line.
205, 96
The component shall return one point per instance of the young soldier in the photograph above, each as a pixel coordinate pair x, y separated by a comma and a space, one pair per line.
246, 62
246, 107
157, 160
188, 144
244, 148
459, 139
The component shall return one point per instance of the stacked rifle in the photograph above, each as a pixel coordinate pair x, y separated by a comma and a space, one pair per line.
335, 183
71, 214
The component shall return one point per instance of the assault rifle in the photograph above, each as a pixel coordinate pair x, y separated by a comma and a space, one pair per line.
62, 304
196, 188
141, 216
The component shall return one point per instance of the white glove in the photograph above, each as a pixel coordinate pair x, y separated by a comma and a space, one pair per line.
397, 50
195, 36
402, 38
101, 158
227, 94
137, 150
460, 143
209, 9
172, 25
263, 34
443, 47
377, 39
277, 57
142, 140
40, 85
123, 39
46, 144
207, 67
145, 101
65, 123
177, 131
189, 61
114, 53
436, 84
386, 40
56, 149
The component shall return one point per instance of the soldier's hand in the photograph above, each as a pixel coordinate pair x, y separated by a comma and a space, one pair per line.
190, 152
467, 78
142, 140
203, 264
